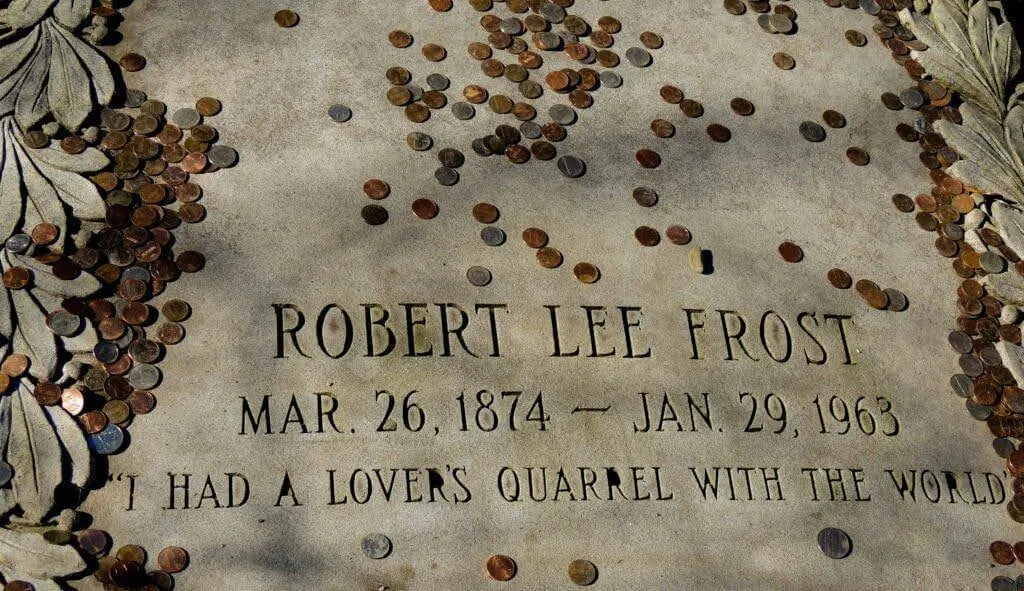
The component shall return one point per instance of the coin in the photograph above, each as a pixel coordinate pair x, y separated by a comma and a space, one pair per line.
891, 101
897, 301
108, 441
286, 18
790, 252
208, 106
834, 543
638, 57
144, 376
583, 572
374, 215
839, 279
44, 233
440, 5
735, 7
912, 98
376, 189
172, 559
535, 237
571, 166
719, 133
834, 119
93, 541
858, 156
73, 401
783, 61
610, 79
451, 158
1001, 583
647, 236
856, 38
446, 176
586, 273
678, 235
17, 278
132, 62
651, 40
425, 209
645, 196
812, 131
492, 236
400, 39
339, 113
176, 310
376, 546
562, 114
742, 106
485, 213
117, 411
222, 156
648, 158
419, 141
500, 567
662, 128
549, 258
1002, 553
434, 52
478, 276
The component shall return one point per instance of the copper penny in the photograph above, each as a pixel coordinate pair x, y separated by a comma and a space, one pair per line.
549, 258
17, 278
170, 333
647, 236
44, 233
440, 5
132, 62
376, 189
741, 106
425, 209
172, 559
609, 24
15, 365
858, 156
417, 113
648, 158
834, 119
535, 237
663, 128
839, 279
790, 252
93, 421
1002, 553
501, 568
651, 40
47, 393
586, 273
286, 18
485, 213
399, 39
678, 235
141, 402
783, 61
671, 94
132, 553
719, 133
176, 310
434, 52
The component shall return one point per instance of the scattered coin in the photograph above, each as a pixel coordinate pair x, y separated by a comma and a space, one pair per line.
638, 57
425, 209
856, 38
645, 196
376, 546
492, 236
912, 98
583, 572
374, 215
671, 94
571, 166
400, 39
783, 61
891, 101
549, 258
132, 62
651, 40
678, 235
897, 301
719, 133
376, 189
663, 128
790, 252
339, 113
858, 156
742, 106
647, 236
586, 273
812, 131
535, 237
648, 158
446, 176
419, 141
840, 279
500, 567
434, 52
172, 559
735, 7
478, 276
286, 18
834, 119
834, 543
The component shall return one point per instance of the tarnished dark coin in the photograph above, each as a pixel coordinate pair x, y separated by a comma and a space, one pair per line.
543, 150
94, 541
446, 176
647, 236
376, 189
719, 133
645, 196
492, 236
840, 279
812, 131
425, 209
834, 119
571, 166
374, 215
286, 18
662, 128
790, 252
671, 94
856, 38
132, 62
638, 57
742, 106
399, 39
479, 276
903, 203
834, 543
451, 158
485, 213
500, 567
735, 7
891, 101
648, 158
376, 546
419, 141
783, 60
858, 156
548, 257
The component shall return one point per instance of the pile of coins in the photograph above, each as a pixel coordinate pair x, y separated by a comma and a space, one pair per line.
126, 568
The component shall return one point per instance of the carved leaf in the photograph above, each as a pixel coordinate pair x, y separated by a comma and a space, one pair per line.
31, 105
1010, 223
34, 452
12, 58
1013, 131
1007, 287
72, 13
73, 441
7, 501
68, 90
25, 13
103, 86
981, 141
27, 556
31, 337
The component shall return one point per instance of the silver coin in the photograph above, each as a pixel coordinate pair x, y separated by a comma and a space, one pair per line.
451, 158
415, 92
120, 257
639, 57
511, 25
562, 114
1020, 582
961, 342
144, 376
339, 113
63, 323
18, 243
780, 23
765, 22
6, 473
610, 79
140, 273
106, 352
419, 141
912, 98
897, 300
971, 365
549, 39
977, 411
492, 236
1003, 584
953, 231
107, 441
446, 176
463, 110
871, 7
126, 339
437, 82
553, 13
571, 166
222, 156
568, 38
645, 196
812, 131
530, 130
992, 263
1003, 447
834, 543
133, 98
478, 276
963, 386
187, 118
376, 546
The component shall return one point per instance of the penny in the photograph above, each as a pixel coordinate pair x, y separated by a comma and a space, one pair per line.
417, 113
535, 237
647, 236
169, 333
117, 411
678, 235
858, 156
783, 61
492, 236
735, 7
834, 119
719, 133
1002, 583
638, 57
891, 101
44, 233
16, 278
141, 402
376, 189
478, 276
651, 40
648, 158
286, 18
549, 258
834, 543
463, 111
609, 24
434, 52
610, 79
671, 94
72, 401
446, 176
440, 5
36, 139
645, 196
475, 94
132, 62
419, 141
554, 132
376, 546
398, 96
500, 104
451, 158
500, 567
425, 209
840, 279
176, 310
903, 203
399, 39
172, 559
374, 215
525, 112
93, 541
812, 131
208, 106
485, 213
571, 166
662, 128
93, 422
742, 106
856, 38
47, 393
780, 23
790, 252
339, 113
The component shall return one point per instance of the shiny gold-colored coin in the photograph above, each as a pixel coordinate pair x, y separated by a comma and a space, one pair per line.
549, 258
434, 52
286, 18
501, 568
417, 113
586, 273
208, 106
535, 237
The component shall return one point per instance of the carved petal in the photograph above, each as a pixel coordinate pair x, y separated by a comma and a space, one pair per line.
13, 59
71, 13
1013, 131
73, 441
981, 141
1010, 222
27, 556
34, 452
30, 105
75, 68
95, 62
981, 27
1006, 286
25, 13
